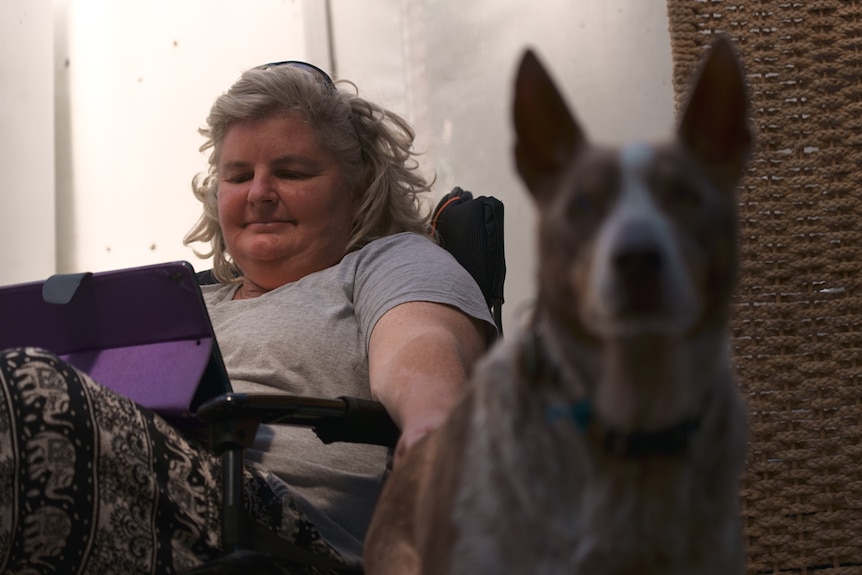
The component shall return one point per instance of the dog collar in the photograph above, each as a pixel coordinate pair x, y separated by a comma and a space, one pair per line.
669, 441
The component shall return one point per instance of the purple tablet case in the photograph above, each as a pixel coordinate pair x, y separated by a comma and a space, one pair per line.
143, 332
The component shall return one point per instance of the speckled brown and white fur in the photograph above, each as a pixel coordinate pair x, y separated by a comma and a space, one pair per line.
608, 437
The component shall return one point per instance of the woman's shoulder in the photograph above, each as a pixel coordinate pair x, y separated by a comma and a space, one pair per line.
405, 240
402, 251
404, 243
408, 260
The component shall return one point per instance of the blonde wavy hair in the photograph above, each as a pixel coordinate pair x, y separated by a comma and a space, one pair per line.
373, 145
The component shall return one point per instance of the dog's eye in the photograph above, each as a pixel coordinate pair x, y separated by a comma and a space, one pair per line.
585, 205
591, 193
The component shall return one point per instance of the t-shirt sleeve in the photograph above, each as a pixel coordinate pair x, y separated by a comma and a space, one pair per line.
409, 267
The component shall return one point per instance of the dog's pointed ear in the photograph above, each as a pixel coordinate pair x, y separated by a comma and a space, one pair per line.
715, 124
546, 133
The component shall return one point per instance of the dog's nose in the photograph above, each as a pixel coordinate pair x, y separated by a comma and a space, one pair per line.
637, 254
638, 273
641, 261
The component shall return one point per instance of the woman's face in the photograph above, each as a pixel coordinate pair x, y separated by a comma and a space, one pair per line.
284, 207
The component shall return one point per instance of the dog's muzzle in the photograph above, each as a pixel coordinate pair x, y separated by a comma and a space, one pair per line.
639, 281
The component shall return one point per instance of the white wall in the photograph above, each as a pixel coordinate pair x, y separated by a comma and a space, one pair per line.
134, 79
27, 222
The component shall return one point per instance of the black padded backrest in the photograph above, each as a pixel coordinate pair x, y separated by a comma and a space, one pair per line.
471, 229
206, 277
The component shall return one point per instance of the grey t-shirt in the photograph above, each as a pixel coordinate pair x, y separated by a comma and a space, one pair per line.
310, 337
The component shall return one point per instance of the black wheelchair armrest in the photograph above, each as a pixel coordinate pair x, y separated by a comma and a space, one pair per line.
345, 419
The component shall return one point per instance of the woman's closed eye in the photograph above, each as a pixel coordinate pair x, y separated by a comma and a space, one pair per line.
292, 175
281, 174
238, 178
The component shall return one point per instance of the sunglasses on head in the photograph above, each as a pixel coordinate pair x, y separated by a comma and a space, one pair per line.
324, 77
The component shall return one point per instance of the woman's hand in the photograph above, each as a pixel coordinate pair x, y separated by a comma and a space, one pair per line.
419, 357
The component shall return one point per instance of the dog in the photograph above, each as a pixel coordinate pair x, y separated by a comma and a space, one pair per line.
609, 436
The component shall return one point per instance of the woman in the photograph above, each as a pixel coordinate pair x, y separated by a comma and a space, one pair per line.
328, 286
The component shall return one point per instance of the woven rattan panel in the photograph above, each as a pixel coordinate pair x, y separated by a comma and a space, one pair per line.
798, 312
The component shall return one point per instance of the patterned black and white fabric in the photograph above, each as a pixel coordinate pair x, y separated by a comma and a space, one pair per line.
91, 483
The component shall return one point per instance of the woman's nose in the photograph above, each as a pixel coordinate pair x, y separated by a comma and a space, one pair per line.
262, 189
